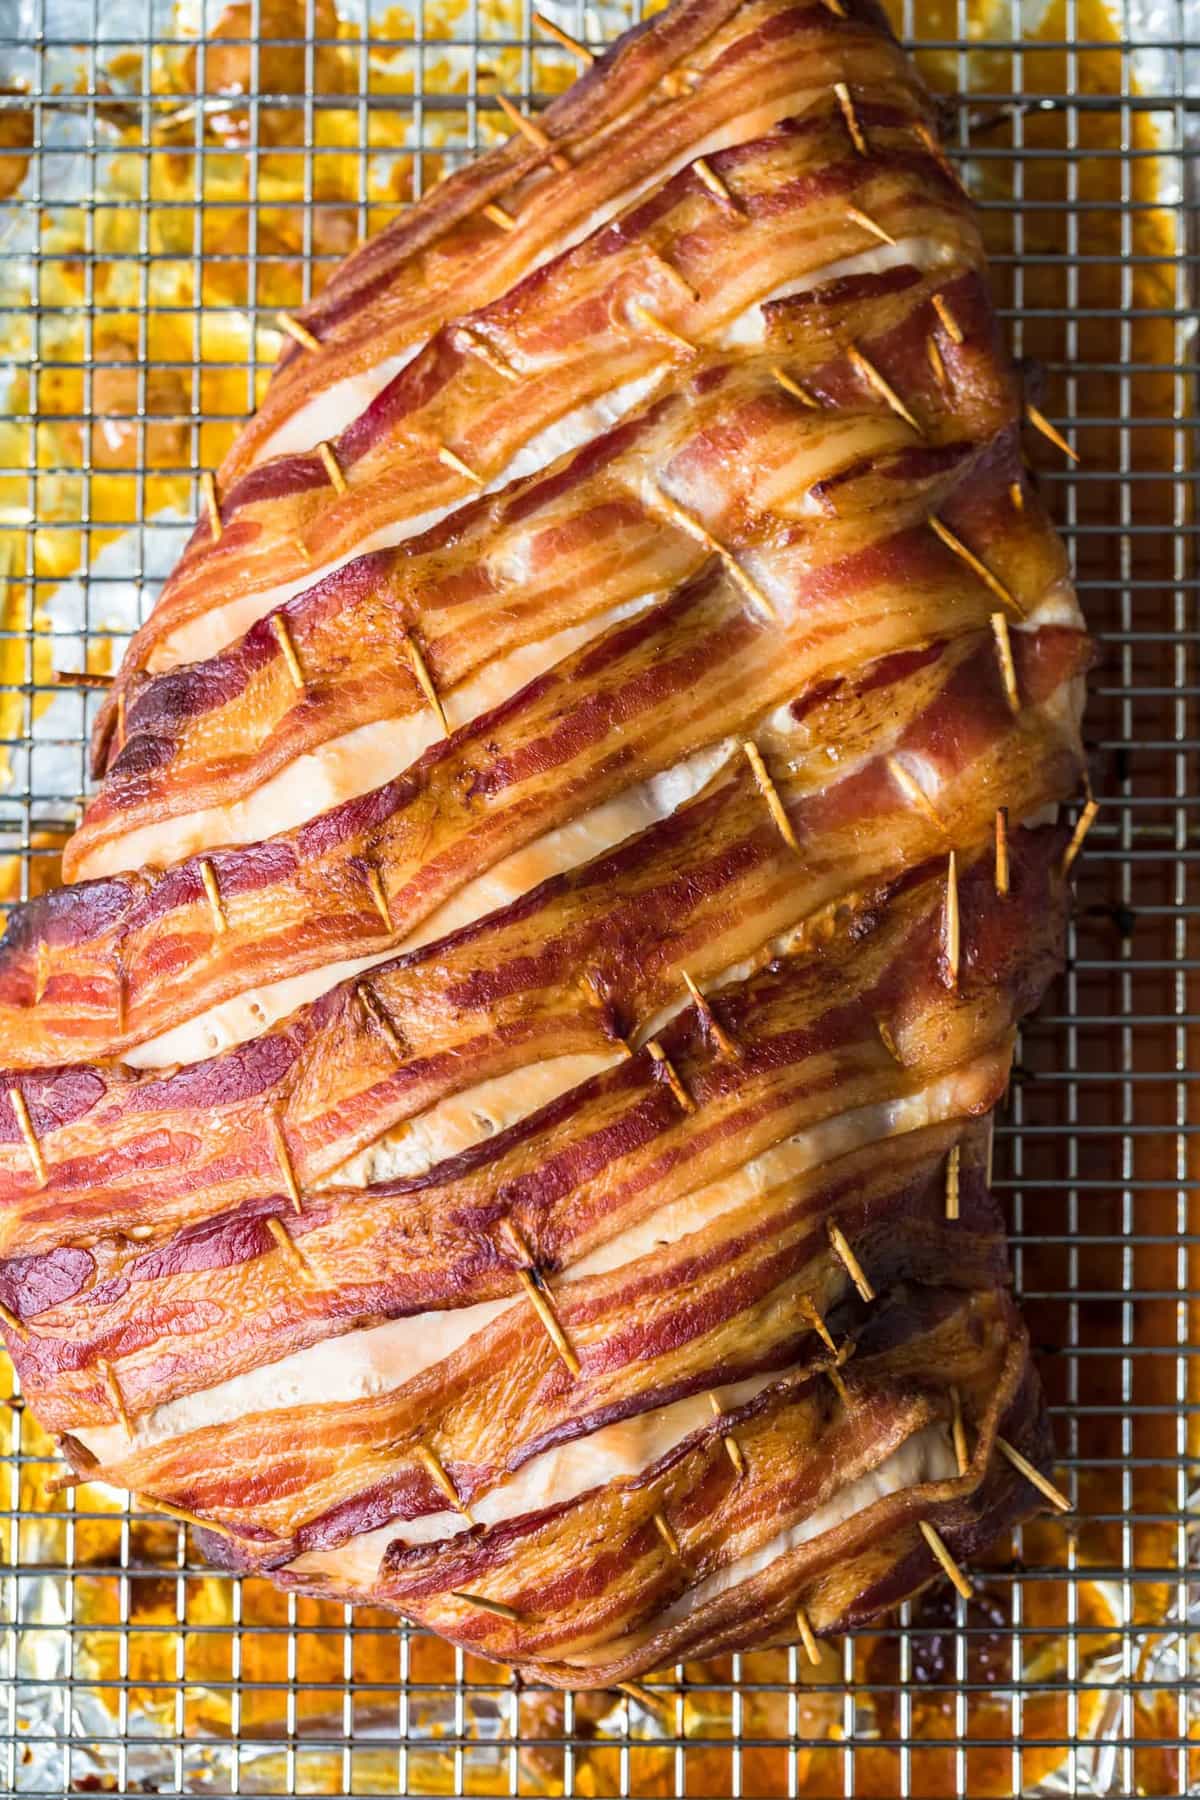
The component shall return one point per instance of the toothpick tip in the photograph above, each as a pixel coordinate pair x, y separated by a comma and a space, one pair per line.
1034, 1476
297, 330
845, 101
942, 1555
1082, 826
845, 1255
1040, 422
549, 29
807, 1637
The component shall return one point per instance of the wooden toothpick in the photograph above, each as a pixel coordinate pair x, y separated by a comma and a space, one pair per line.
951, 927
648, 321
112, 1387
1034, 1476
478, 346
447, 457
733, 1449
811, 1313
208, 492
770, 794
332, 466
663, 1527
208, 879
746, 583
1008, 668
287, 650
499, 216
531, 130
850, 1262
950, 324
721, 1038
716, 186
929, 139
794, 388
832, 1371
864, 220
287, 1246
540, 1302
807, 1637
990, 581
914, 793
420, 669
378, 894
1041, 423
33, 1148
937, 363
369, 1002
1082, 826
538, 1298
887, 393
846, 103
958, 1432
1002, 851
549, 29
440, 1477
284, 1159
683, 1098
483, 1604
953, 1164
295, 329
148, 1503
17, 1326
643, 1695
943, 1556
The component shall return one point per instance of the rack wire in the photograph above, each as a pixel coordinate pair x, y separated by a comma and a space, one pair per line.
167, 180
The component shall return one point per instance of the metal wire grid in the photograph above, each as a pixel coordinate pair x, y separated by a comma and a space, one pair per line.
128, 1667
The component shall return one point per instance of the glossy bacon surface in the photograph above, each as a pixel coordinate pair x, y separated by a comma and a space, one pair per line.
498, 1124
703, 75
807, 1027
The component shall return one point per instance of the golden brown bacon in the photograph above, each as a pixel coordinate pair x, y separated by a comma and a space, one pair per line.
727, 1296
554, 551
619, 313
576, 824
99, 966
807, 1027
597, 1592
706, 74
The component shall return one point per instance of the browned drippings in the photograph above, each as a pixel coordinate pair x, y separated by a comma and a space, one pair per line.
16, 140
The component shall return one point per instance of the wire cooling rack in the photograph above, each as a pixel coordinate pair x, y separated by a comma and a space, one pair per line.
168, 179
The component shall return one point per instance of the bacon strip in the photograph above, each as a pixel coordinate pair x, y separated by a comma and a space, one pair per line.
134, 955
717, 879
576, 333
803, 1451
588, 1580
551, 552
811, 1048
727, 1301
701, 75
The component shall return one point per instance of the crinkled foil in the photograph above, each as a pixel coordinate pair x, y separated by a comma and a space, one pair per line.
137, 293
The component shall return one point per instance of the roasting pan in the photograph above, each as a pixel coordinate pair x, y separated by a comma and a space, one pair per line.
171, 176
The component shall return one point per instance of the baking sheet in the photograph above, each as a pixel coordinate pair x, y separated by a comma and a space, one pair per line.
169, 178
